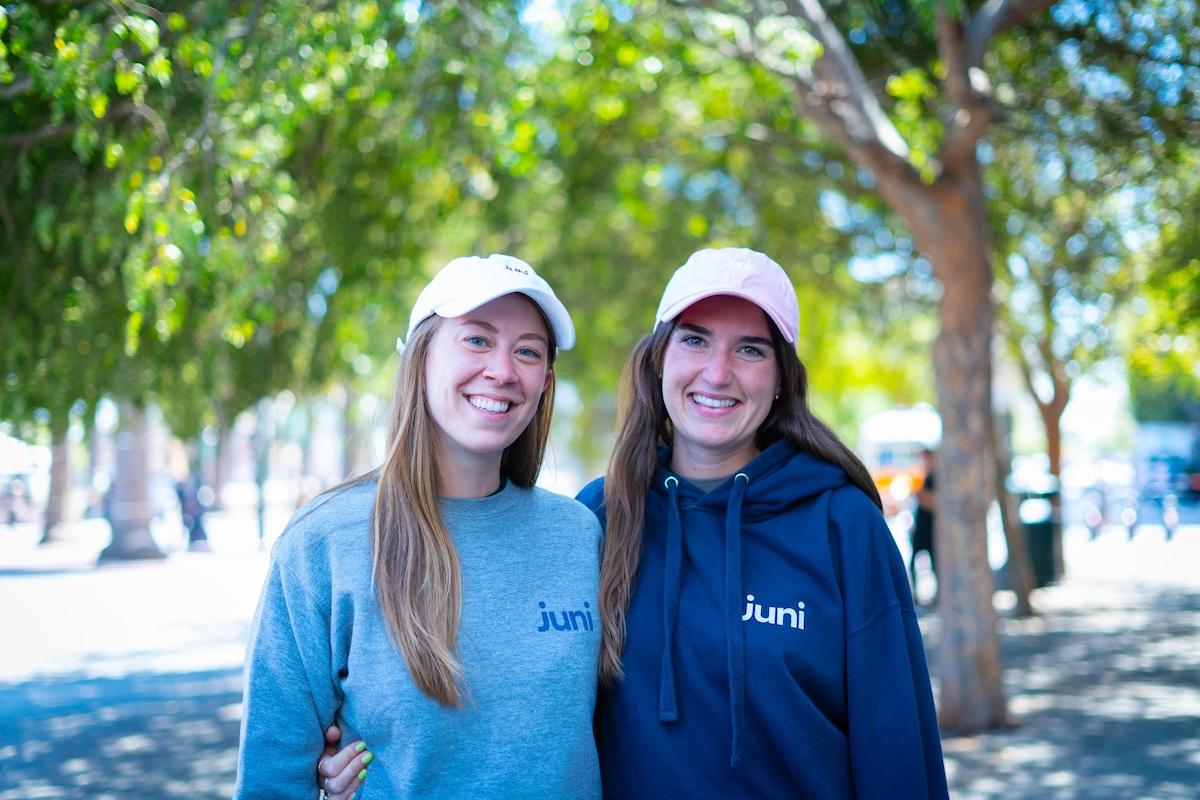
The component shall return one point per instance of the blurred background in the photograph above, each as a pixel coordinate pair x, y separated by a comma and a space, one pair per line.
215, 216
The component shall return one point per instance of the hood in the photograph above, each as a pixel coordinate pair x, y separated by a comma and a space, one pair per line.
779, 478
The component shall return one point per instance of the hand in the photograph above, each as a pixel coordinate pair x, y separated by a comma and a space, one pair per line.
340, 773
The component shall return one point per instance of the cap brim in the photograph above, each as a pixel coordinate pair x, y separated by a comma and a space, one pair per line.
679, 306
555, 311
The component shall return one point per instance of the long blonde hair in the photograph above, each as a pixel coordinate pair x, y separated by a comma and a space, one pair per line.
416, 571
644, 426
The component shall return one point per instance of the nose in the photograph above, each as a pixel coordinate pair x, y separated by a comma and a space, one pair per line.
499, 367
716, 369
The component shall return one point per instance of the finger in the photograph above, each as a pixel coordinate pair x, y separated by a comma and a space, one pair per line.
348, 793
343, 773
333, 736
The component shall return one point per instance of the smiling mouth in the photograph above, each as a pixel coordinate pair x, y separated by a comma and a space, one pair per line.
712, 402
487, 404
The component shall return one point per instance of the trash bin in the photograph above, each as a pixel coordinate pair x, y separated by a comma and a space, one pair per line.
1036, 510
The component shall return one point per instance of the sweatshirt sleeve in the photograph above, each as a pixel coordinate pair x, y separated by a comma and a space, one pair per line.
895, 746
290, 696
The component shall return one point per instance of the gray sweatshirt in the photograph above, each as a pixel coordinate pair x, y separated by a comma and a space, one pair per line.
529, 640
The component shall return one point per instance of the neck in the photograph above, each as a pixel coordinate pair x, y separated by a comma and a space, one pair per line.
466, 475
693, 462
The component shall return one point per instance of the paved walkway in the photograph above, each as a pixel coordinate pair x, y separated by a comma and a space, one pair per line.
124, 681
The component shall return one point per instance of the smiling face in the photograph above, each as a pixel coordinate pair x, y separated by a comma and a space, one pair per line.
720, 376
484, 376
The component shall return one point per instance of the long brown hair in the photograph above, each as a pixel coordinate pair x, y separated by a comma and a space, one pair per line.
644, 426
416, 571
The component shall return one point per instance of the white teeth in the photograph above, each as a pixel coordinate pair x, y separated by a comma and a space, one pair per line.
712, 402
498, 406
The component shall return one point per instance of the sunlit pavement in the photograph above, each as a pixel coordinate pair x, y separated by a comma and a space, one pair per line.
1104, 685
124, 680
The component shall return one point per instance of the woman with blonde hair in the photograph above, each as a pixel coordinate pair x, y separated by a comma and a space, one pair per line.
440, 609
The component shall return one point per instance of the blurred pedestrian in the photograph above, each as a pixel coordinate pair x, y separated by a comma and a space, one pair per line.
191, 511
922, 529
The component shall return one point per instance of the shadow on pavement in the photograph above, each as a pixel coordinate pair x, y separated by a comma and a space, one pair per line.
1104, 688
1106, 701
145, 735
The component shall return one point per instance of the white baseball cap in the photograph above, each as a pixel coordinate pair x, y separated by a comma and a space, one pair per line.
735, 271
466, 283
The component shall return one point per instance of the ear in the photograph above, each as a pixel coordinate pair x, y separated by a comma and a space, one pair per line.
546, 382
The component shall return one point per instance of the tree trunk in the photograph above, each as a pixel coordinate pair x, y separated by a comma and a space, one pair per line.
350, 442
949, 224
1052, 420
264, 434
130, 506
222, 454
60, 480
1019, 567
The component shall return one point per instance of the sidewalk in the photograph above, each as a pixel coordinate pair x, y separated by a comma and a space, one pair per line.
1103, 686
125, 681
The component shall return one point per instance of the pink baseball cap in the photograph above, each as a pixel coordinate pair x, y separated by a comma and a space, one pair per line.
735, 271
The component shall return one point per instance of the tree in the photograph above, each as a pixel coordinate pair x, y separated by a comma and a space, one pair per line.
190, 195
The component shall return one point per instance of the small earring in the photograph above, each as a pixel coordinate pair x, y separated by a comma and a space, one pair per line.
777, 395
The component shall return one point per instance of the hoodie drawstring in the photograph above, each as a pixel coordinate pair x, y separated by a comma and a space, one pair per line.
668, 707
734, 646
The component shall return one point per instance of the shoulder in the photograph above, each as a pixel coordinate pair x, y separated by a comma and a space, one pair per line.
592, 495
327, 520
851, 504
562, 508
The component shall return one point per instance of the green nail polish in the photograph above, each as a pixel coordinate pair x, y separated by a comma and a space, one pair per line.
362, 774
358, 748
367, 758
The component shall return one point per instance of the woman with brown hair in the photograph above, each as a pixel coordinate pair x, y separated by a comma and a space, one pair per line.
440, 608
759, 635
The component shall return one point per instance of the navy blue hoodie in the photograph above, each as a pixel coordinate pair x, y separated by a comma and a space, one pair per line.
772, 650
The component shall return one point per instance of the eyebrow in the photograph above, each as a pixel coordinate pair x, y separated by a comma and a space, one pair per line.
490, 328
706, 332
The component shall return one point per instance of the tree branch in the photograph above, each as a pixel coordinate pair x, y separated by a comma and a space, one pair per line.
968, 92
30, 138
239, 29
995, 17
18, 87
140, 8
833, 93
839, 71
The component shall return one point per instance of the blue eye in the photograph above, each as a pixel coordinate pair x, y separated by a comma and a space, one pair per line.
476, 341
752, 351
530, 353
691, 340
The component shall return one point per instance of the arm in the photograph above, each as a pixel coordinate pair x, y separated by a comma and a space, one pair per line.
926, 496
290, 694
895, 747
